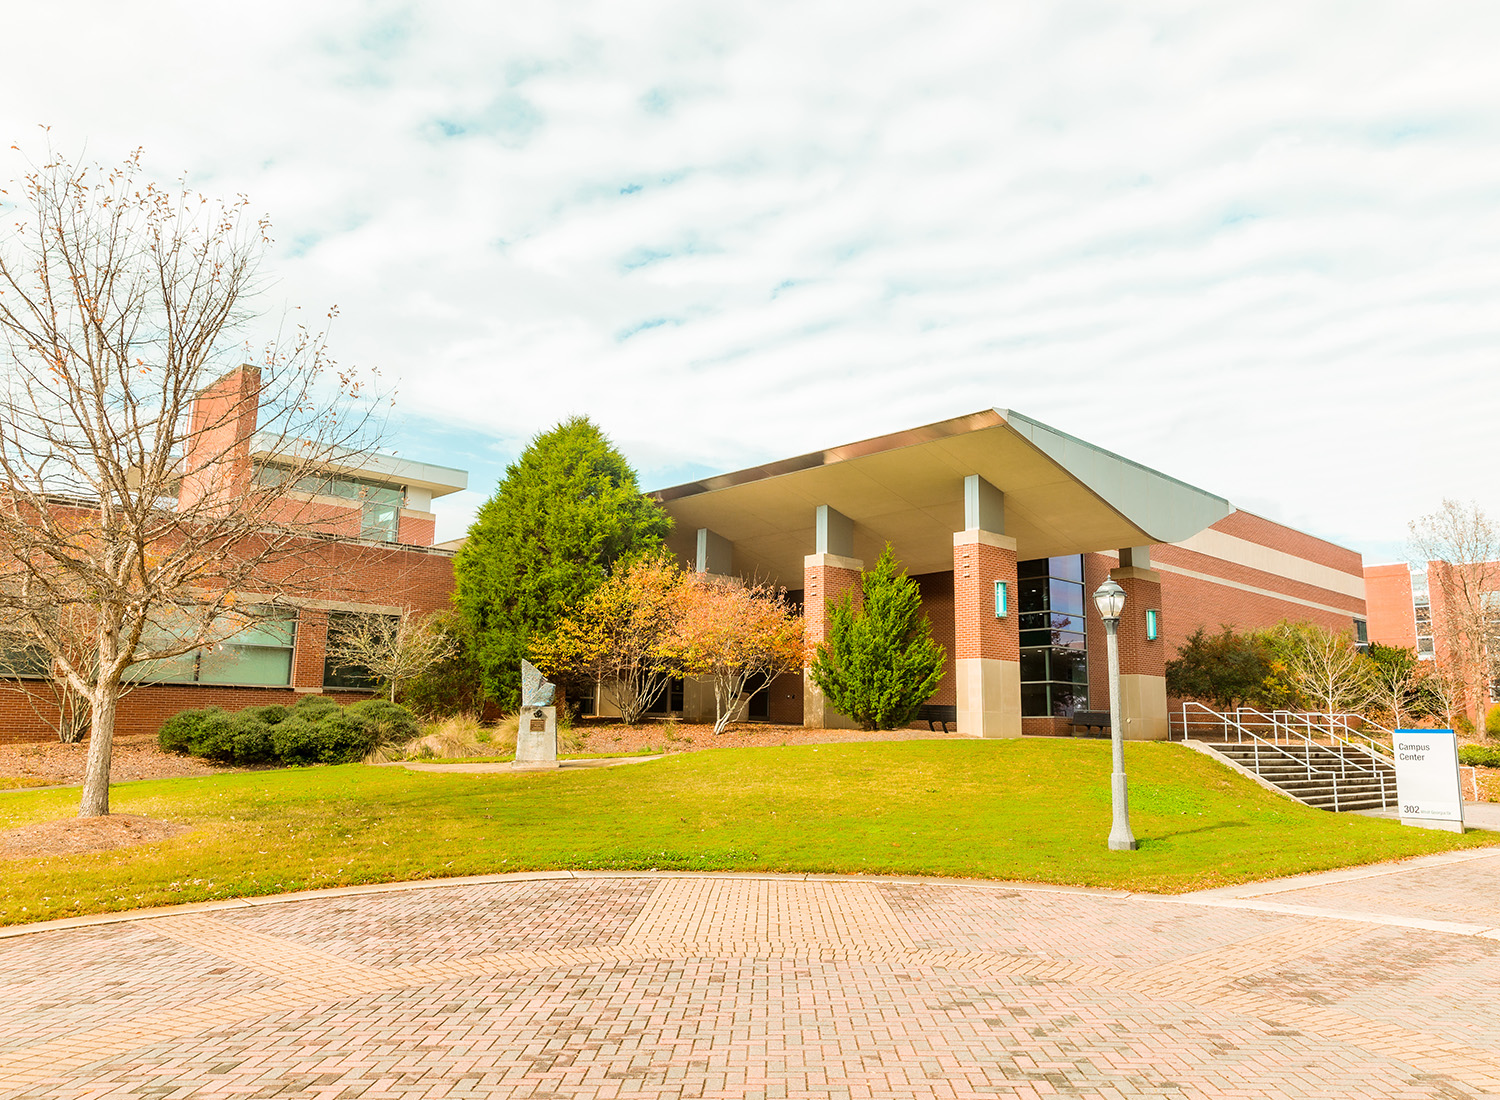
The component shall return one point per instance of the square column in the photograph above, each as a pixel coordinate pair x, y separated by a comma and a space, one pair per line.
826, 580
986, 647
1143, 660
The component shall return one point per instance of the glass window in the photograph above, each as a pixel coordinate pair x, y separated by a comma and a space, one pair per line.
1067, 598
1035, 567
1068, 666
379, 522
338, 672
1034, 703
1069, 568
1361, 632
1032, 595
1033, 665
22, 657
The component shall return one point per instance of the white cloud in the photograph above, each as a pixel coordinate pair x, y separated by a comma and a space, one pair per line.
1254, 245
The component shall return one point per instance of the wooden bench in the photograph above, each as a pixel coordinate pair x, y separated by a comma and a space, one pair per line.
1089, 721
941, 713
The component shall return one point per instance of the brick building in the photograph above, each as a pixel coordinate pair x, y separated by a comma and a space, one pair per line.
1407, 608
369, 551
1009, 526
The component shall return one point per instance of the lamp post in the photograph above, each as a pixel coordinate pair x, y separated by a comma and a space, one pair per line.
1109, 598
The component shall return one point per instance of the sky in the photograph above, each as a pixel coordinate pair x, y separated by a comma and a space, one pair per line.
1254, 245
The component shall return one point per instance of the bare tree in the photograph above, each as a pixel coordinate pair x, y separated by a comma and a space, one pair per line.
393, 648
1323, 667
1459, 547
154, 470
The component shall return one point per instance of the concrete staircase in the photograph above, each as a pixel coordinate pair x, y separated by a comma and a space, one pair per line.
1330, 777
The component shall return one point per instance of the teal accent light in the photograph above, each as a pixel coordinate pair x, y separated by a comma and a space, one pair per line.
1152, 625
1002, 599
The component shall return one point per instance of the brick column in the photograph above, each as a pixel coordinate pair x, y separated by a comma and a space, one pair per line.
309, 648
1143, 675
826, 580
986, 649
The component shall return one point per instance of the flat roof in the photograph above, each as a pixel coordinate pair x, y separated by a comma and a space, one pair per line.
1062, 496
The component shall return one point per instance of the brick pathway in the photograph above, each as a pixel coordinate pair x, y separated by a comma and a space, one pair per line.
736, 987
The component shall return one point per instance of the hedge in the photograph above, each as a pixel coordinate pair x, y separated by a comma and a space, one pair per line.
315, 730
1479, 755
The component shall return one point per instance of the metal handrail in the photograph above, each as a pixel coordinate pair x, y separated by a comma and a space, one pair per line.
1291, 727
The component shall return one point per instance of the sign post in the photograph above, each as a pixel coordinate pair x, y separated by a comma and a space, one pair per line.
1427, 786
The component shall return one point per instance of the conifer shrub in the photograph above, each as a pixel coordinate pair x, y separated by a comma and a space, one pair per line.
879, 663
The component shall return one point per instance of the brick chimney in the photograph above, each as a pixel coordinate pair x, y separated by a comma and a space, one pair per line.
216, 462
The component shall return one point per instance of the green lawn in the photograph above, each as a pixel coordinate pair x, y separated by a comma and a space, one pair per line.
1027, 810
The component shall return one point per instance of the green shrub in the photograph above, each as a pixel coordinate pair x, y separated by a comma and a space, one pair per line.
214, 737
1492, 721
387, 722
1482, 756
252, 736
316, 730
179, 733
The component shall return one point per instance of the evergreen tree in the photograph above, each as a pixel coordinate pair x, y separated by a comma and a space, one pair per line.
563, 514
879, 663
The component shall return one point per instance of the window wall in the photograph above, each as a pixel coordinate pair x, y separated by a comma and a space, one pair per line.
1054, 651
379, 503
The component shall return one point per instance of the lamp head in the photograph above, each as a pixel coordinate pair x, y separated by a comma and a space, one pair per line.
1109, 598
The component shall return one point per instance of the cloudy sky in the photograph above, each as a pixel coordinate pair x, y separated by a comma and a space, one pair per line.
1254, 245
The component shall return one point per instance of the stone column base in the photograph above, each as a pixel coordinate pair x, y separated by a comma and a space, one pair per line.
989, 697
1143, 699
817, 712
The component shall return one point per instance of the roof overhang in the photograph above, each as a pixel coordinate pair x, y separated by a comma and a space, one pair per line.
1062, 496
437, 480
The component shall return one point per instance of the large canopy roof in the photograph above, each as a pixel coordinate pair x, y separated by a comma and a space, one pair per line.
1062, 496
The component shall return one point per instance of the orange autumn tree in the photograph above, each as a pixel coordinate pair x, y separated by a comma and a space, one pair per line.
619, 636
738, 637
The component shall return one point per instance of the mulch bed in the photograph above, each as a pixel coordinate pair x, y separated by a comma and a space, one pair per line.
71, 835
688, 737
54, 764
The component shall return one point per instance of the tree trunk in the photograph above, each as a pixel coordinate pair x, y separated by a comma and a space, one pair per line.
102, 704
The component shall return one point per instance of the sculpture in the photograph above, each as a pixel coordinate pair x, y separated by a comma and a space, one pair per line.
536, 689
536, 747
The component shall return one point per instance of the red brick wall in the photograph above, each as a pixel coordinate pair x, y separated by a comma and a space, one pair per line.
786, 700
937, 605
976, 630
354, 574
823, 587
1393, 620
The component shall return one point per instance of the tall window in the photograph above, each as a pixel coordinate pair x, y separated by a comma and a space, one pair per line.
1421, 601
1054, 652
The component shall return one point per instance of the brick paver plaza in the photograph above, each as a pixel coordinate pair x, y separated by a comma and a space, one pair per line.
1376, 984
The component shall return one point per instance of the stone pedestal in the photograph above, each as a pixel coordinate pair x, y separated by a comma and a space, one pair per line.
536, 739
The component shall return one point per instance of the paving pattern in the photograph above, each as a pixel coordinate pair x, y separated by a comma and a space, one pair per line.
798, 987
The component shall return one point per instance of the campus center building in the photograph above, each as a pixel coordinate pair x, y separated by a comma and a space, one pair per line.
1009, 526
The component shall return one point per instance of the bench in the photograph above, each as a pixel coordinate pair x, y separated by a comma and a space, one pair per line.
941, 713
1089, 720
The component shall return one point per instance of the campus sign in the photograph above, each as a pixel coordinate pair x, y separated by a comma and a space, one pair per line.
1427, 787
